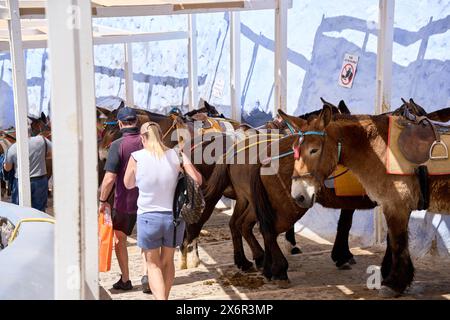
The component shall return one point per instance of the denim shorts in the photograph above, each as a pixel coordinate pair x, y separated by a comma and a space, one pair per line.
156, 229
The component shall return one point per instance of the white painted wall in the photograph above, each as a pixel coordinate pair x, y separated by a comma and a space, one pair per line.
320, 33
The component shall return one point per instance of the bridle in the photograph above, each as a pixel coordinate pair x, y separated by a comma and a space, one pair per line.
296, 152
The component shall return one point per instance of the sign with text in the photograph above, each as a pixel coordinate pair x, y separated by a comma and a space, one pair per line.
348, 70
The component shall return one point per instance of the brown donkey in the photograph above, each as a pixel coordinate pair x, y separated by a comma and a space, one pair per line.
360, 144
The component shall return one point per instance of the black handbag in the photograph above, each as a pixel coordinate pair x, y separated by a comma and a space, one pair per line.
188, 202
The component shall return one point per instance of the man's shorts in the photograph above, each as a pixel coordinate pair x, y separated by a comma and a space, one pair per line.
124, 222
156, 229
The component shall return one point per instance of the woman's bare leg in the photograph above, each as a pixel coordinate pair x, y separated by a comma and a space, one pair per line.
168, 268
155, 273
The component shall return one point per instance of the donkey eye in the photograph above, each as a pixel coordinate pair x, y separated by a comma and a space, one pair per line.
313, 151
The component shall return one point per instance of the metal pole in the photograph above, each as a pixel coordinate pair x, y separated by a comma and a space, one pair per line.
192, 62
384, 81
281, 15
20, 102
235, 74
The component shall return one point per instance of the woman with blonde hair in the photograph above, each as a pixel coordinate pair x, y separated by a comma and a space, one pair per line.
154, 170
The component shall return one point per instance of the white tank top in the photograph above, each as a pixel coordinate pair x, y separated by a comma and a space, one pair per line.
156, 179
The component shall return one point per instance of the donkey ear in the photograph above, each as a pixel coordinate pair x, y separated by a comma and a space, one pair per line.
325, 116
43, 117
103, 111
295, 121
327, 103
404, 101
420, 109
343, 107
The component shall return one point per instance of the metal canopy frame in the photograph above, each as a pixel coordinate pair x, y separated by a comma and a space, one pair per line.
76, 272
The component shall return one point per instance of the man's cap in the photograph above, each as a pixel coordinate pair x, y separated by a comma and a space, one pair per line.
126, 114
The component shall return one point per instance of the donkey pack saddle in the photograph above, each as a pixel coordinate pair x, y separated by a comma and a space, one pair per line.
420, 139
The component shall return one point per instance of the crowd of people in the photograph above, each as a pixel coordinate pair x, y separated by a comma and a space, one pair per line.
143, 173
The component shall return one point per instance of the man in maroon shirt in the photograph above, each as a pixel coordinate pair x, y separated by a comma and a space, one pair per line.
125, 201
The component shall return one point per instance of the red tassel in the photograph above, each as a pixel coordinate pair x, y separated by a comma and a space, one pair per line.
296, 152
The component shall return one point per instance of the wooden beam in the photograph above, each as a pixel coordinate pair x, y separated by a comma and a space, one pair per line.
235, 61
129, 86
192, 62
74, 154
134, 9
89, 156
281, 15
20, 102
4, 13
39, 42
36, 9
384, 82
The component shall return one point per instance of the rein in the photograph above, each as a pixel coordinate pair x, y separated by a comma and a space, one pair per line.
296, 152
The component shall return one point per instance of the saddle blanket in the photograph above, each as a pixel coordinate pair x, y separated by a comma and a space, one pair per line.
346, 185
396, 163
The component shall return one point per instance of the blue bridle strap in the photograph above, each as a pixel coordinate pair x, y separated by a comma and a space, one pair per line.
290, 127
112, 123
311, 133
301, 134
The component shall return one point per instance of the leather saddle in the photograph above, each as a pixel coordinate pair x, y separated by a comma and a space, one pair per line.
420, 139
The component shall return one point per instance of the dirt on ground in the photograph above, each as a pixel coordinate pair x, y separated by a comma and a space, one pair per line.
312, 274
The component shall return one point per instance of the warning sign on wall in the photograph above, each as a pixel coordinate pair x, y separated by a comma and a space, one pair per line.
348, 70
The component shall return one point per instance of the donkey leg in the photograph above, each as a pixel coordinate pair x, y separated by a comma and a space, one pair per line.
386, 265
194, 261
191, 234
290, 237
248, 222
279, 264
341, 254
239, 256
183, 252
402, 270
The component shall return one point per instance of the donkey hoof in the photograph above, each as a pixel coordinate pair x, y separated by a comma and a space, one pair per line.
352, 260
386, 292
296, 250
193, 264
183, 265
259, 262
282, 284
247, 267
344, 266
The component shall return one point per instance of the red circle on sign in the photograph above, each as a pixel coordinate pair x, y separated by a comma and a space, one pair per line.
347, 74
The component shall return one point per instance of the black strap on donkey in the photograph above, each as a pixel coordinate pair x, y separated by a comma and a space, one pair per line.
179, 199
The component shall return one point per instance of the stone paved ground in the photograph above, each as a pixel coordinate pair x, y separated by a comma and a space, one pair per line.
312, 274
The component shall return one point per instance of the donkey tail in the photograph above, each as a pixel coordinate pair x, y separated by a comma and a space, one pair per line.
217, 182
262, 206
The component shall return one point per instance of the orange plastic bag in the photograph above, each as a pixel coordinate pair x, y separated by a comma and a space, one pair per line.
105, 240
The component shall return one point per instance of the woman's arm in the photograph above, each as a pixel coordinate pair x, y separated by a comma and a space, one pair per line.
129, 179
191, 170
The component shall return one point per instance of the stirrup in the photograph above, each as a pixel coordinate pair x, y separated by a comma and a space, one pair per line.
438, 157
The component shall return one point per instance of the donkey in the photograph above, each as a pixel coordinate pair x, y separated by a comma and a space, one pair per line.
363, 143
